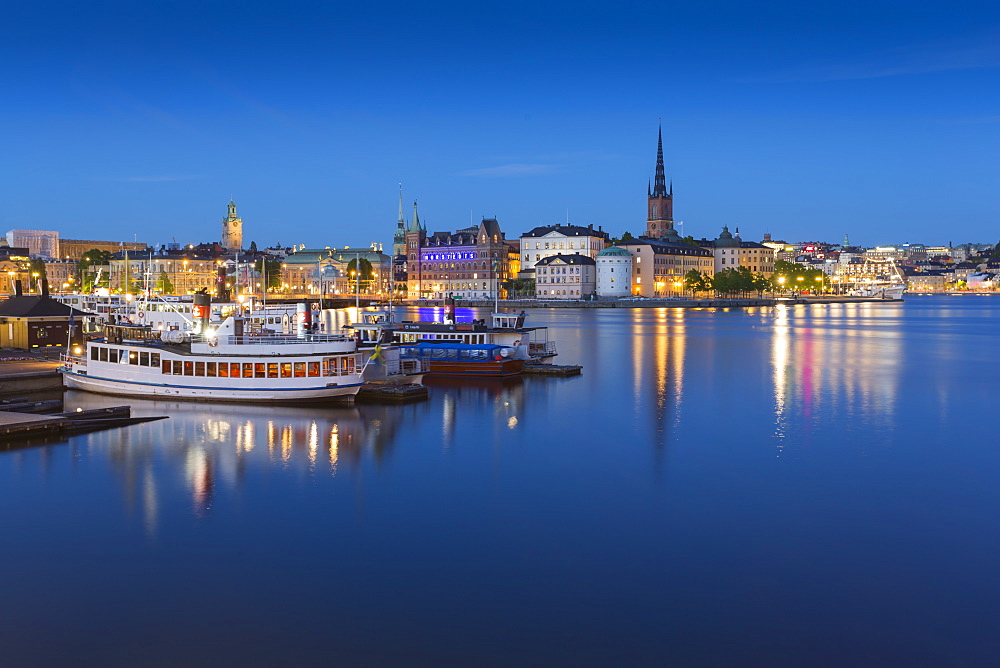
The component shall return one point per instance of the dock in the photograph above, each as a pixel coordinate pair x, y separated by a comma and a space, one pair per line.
557, 370
15, 426
392, 394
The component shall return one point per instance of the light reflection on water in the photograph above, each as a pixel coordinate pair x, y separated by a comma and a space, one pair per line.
714, 479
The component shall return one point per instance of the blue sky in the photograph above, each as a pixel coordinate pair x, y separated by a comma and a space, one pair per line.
877, 119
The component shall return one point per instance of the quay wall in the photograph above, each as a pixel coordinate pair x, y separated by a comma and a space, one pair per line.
653, 303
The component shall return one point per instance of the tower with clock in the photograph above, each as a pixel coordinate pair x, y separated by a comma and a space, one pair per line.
232, 229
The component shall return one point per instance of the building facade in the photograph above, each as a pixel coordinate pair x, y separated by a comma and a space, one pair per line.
659, 266
549, 240
40, 243
468, 264
731, 252
73, 249
614, 272
565, 277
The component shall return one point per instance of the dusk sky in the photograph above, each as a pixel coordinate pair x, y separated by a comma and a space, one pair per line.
806, 120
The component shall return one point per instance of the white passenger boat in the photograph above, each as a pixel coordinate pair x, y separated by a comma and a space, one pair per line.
222, 365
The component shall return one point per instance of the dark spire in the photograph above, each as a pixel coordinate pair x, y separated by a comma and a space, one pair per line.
660, 182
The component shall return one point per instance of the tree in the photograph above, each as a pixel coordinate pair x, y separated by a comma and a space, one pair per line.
367, 273
86, 278
689, 240
163, 284
270, 270
37, 266
695, 281
519, 287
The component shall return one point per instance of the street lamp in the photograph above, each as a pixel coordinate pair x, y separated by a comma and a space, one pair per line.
781, 282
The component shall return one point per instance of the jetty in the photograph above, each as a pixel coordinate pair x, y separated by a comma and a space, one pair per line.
15, 425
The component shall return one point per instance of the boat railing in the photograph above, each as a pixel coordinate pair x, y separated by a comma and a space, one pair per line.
253, 339
536, 348
69, 359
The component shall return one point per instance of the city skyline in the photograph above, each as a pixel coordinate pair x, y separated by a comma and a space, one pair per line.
804, 122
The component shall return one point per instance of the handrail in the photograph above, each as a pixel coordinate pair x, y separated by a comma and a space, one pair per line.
272, 340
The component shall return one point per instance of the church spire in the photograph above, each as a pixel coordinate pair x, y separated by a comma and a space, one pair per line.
415, 223
660, 181
400, 221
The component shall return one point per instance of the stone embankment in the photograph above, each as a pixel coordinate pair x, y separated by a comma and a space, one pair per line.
656, 303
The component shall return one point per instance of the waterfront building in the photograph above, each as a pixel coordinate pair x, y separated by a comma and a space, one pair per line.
327, 271
13, 267
549, 240
232, 229
470, 263
659, 265
38, 321
40, 243
73, 249
61, 275
660, 200
565, 276
167, 270
731, 252
614, 272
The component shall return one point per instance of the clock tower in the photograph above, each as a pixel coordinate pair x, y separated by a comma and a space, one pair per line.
232, 229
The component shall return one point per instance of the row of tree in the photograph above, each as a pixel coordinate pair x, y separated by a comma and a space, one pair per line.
742, 282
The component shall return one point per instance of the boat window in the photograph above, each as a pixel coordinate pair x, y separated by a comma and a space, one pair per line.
224, 370
248, 370
188, 368
210, 369
199, 368
260, 370
104, 354
177, 368
143, 359
154, 359
286, 370
133, 357
438, 353
166, 366
313, 369
347, 365
94, 353
300, 369
272, 370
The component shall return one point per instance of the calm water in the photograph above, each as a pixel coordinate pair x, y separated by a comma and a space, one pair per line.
777, 486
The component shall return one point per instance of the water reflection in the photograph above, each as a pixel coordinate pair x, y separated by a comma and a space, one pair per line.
213, 446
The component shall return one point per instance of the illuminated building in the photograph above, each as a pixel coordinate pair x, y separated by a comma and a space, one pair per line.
659, 265
614, 272
565, 277
232, 229
470, 263
549, 240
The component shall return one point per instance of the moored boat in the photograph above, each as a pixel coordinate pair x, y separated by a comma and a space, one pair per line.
464, 359
222, 365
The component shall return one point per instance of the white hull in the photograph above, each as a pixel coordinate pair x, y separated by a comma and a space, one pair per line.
343, 393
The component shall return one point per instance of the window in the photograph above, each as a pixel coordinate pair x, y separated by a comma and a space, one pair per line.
347, 365
154, 359
286, 370
133, 357
272, 370
143, 359
247, 370
260, 370
210, 369
300, 369
94, 353
313, 369
167, 366
224, 369
188, 368
104, 354
177, 368
199, 368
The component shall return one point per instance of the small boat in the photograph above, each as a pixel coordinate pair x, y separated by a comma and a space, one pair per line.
465, 359
505, 329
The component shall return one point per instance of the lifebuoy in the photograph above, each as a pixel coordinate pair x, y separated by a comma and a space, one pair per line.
517, 342
213, 342
141, 315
